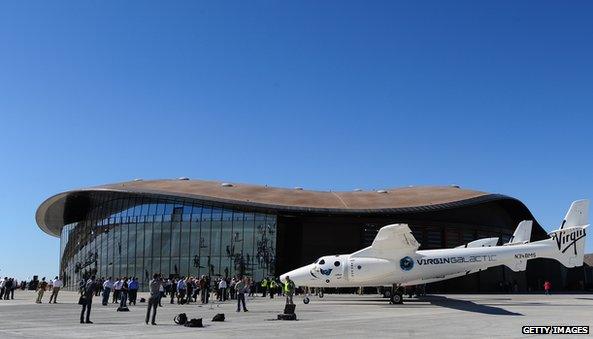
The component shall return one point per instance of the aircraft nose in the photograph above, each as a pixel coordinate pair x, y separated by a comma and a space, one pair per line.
300, 275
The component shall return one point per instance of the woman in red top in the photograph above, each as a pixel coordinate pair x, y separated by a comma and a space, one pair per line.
547, 287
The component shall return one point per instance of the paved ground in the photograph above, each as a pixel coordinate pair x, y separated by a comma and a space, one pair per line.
450, 316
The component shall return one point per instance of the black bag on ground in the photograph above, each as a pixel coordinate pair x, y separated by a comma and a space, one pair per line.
287, 317
289, 309
194, 323
218, 317
182, 301
123, 309
180, 319
142, 300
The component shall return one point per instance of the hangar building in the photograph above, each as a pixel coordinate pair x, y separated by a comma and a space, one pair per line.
192, 227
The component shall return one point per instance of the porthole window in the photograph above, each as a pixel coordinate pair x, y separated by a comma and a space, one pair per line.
359, 267
336, 263
321, 262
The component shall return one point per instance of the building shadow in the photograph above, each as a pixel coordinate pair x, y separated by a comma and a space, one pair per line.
468, 306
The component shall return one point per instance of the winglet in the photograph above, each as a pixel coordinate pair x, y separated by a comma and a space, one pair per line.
522, 234
577, 215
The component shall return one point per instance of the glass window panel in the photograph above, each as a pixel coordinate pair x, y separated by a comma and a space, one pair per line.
184, 251
261, 244
249, 244
166, 240
124, 208
148, 270
195, 251
131, 243
216, 251
237, 264
148, 241
152, 208
166, 269
271, 259
116, 251
124, 229
206, 213
175, 247
139, 262
156, 245
227, 244
160, 208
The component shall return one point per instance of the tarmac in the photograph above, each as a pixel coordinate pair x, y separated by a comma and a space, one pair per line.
434, 316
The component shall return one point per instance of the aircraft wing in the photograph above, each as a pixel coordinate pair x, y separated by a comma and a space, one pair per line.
391, 242
397, 236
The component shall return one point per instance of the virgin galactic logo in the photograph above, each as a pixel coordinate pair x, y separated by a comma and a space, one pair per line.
406, 263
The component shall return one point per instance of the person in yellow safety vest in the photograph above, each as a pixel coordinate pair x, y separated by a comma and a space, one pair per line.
264, 286
289, 290
272, 285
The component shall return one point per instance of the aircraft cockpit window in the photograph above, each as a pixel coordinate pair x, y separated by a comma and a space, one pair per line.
336, 263
321, 262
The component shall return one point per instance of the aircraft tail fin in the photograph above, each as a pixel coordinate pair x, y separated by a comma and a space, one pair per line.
569, 245
577, 215
522, 234
569, 240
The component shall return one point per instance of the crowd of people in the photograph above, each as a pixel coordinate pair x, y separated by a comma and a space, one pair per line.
183, 291
7, 287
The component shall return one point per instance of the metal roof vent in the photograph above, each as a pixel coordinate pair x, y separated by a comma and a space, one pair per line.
298, 188
183, 178
358, 190
226, 184
381, 191
138, 179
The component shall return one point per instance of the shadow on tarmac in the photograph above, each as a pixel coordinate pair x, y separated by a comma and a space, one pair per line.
468, 306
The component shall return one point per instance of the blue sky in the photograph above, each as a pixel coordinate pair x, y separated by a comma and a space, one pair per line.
490, 95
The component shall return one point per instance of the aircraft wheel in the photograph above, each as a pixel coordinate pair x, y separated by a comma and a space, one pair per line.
396, 298
306, 300
387, 294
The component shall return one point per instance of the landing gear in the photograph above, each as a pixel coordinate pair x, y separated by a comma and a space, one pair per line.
397, 295
306, 300
396, 298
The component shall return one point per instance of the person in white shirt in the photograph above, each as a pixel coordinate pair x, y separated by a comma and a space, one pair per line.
2, 288
222, 290
116, 289
107, 287
57, 284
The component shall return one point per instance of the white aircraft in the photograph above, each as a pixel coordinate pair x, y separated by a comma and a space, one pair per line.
394, 260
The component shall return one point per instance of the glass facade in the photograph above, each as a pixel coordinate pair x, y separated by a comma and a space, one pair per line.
138, 236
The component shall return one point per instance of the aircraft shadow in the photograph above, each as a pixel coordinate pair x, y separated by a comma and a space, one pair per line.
468, 306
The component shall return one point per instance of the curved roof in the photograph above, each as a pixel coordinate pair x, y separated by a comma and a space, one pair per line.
51, 216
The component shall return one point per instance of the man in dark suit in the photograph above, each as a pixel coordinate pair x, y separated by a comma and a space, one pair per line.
153, 301
88, 293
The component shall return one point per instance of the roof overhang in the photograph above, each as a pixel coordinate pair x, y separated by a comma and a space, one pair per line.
71, 206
